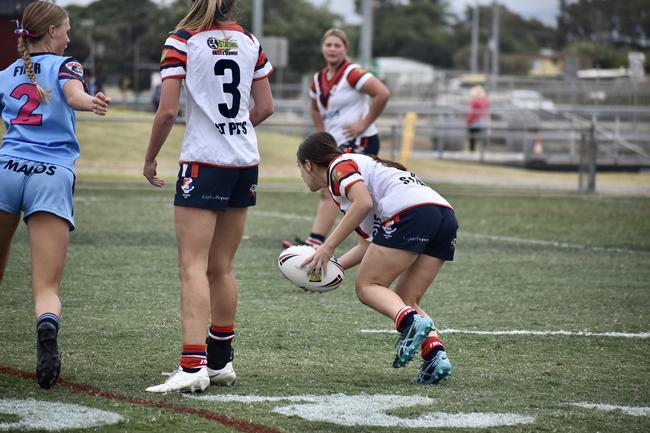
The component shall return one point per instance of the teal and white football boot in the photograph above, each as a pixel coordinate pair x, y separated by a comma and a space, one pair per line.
410, 338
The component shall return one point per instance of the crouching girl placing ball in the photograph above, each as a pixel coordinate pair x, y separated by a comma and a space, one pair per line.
416, 235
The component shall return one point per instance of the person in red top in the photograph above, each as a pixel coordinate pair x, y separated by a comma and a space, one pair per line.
478, 116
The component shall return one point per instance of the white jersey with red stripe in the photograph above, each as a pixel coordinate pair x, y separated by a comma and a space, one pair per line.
392, 190
340, 100
218, 66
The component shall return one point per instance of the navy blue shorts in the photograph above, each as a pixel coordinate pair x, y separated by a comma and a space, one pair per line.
365, 145
427, 229
216, 188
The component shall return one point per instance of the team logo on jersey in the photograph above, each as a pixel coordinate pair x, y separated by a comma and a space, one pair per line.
223, 47
75, 68
187, 185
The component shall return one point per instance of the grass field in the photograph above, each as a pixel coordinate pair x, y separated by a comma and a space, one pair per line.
544, 313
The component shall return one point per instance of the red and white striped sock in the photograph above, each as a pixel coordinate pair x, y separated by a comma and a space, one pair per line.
193, 357
404, 318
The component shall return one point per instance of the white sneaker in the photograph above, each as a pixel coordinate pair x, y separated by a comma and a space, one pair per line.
183, 382
224, 377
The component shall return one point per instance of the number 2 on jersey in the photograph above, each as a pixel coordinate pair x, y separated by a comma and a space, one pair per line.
219, 69
25, 116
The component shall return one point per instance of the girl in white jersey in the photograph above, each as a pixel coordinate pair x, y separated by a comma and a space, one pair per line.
223, 67
416, 236
345, 101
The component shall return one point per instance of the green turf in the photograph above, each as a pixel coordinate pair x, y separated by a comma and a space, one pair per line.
120, 327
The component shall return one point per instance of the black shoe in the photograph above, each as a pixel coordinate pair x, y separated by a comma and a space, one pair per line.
48, 363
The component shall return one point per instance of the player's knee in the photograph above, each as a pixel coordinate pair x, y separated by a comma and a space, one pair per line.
363, 292
219, 272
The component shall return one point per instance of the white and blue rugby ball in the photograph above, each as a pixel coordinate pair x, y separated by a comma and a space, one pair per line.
290, 260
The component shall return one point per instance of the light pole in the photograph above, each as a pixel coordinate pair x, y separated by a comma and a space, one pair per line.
365, 40
88, 24
473, 60
258, 18
494, 42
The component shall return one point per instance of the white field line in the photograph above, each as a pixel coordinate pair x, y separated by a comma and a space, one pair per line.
282, 215
628, 410
642, 335
555, 244
507, 239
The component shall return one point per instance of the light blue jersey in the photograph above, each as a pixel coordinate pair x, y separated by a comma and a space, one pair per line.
42, 131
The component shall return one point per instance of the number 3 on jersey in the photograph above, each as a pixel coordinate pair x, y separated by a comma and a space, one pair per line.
219, 69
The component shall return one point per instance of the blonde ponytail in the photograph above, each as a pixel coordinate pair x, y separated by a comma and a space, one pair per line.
27, 61
205, 13
37, 19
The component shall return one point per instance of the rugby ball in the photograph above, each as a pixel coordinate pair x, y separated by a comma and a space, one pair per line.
290, 260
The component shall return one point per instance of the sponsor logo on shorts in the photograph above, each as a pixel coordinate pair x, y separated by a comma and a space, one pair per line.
452, 245
214, 197
252, 191
28, 169
187, 185
417, 239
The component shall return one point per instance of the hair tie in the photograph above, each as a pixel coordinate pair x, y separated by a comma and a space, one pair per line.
347, 149
24, 33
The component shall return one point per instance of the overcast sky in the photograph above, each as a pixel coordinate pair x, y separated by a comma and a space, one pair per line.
543, 10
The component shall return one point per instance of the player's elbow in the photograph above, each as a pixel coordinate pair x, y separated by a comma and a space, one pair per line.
384, 93
266, 109
167, 115
364, 204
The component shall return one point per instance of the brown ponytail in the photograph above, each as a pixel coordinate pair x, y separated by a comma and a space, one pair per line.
320, 148
388, 163
37, 19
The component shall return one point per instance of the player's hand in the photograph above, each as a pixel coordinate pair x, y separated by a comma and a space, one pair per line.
100, 104
149, 171
353, 130
318, 261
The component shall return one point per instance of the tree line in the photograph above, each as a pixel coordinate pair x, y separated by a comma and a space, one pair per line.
128, 35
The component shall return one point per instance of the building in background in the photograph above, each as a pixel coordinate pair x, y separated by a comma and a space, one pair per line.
547, 64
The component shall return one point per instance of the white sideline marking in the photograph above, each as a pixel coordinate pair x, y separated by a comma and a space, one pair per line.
52, 416
281, 215
523, 332
555, 244
509, 239
628, 410
370, 410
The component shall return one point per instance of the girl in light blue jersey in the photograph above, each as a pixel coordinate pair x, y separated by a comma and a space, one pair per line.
39, 94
